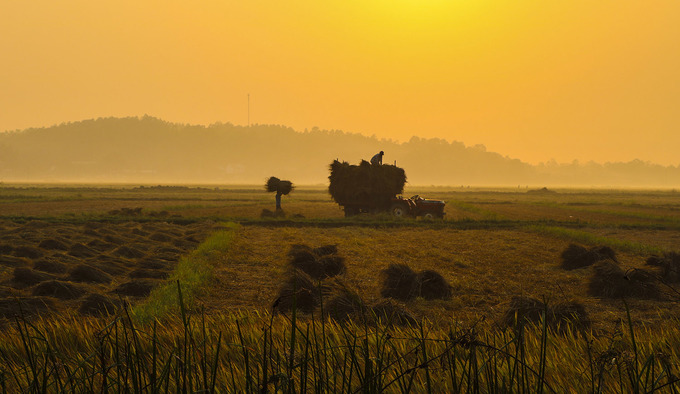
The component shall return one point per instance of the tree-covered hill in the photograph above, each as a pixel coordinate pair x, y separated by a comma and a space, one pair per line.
149, 150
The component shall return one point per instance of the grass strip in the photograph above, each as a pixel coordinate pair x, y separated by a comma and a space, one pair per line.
192, 271
585, 237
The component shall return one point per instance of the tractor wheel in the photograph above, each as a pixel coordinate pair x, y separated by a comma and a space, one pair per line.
428, 216
399, 211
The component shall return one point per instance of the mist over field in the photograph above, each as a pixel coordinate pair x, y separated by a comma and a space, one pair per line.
150, 150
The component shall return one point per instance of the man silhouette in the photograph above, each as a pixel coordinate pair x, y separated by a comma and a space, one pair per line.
377, 159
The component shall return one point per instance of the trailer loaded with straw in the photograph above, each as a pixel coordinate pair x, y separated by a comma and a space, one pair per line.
369, 188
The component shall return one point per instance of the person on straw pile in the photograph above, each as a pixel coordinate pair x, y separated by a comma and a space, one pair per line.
377, 159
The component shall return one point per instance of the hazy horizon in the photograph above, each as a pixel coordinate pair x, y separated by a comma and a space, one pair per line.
533, 80
149, 150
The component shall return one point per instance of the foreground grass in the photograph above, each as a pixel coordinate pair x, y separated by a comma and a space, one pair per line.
250, 352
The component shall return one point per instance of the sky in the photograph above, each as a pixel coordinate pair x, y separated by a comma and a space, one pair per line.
531, 79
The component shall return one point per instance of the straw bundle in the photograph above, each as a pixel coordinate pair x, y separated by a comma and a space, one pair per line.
274, 184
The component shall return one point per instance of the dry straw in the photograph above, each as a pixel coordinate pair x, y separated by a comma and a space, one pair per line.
609, 280
400, 282
365, 183
559, 317
576, 256
277, 185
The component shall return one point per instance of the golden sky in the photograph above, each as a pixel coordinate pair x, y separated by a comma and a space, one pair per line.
534, 80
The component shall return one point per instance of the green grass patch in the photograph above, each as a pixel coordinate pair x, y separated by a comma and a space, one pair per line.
193, 272
593, 239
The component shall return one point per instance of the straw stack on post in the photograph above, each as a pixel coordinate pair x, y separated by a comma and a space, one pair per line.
365, 184
281, 187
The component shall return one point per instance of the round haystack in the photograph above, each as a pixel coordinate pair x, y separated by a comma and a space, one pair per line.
609, 280
97, 305
135, 288
433, 286
344, 303
51, 266
11, 261
524, 310
300, 287
53, 244
576, 256
669, 264
114, 240
332, 266
23, 276
306, 262
58, 289
100, 246
86, 273
128, 252
390, 312
81, 251
325, 250
297, 248
160, 237
399, 282
30, 252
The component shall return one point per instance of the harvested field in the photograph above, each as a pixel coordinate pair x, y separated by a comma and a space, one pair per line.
486, 269
86, 267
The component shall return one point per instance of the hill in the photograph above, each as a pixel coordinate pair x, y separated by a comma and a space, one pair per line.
150, 150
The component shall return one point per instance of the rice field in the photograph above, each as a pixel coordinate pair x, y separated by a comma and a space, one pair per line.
210, 323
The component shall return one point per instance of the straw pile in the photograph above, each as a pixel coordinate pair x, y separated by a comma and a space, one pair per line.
669, 264
609, 280
559, 317
274, 184
318, 263
345, 304
400, 282
365, 184
299, 287
576, 256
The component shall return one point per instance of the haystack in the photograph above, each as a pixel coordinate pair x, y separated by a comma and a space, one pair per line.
433, 286
576, 256
326, 250
365, 183
524, 310
332, 266
669, 264
399, 282
390, 312
274, 184
402, 283
304, 258
344, 303
559, 317
609, 280
301, 287
306, 262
